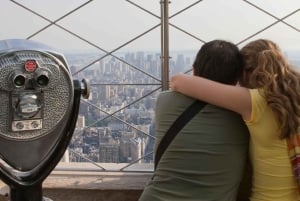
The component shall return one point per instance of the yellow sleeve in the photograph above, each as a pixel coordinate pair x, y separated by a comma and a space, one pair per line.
258, 103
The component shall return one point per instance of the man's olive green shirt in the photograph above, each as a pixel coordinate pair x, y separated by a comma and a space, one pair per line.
206, 159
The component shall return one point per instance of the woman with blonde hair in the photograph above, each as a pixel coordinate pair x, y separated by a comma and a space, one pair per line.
268, 99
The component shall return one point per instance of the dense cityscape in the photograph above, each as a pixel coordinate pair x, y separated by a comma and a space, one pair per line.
116, 124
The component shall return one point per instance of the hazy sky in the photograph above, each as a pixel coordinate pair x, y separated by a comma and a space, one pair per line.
110, 24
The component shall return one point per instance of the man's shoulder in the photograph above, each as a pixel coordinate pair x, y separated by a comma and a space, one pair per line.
173, 95
172, 99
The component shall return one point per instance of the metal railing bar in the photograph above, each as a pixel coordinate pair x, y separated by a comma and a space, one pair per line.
61, 27
267, 27
87, 159
165, 53
133, 162
127, 171
121, 84
189, 70
266, 12
186, 8
147, 11
51, 22
68, 169
43, 17
193, 36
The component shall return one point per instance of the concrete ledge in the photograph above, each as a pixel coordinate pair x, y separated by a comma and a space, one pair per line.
97, 180
88, 195
92, 195
85, 182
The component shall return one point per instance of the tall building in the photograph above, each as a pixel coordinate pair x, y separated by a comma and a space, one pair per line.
180, 63
109, 152
80, 122
66, 157
137, 148
140, 59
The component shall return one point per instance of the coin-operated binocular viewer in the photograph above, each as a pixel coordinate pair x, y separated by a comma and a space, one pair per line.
39, 104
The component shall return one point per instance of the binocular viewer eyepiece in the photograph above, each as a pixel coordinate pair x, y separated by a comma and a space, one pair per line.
39, 104
40, 79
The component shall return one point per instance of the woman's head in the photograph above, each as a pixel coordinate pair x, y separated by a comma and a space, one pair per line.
218, 60
265, 67
263, 63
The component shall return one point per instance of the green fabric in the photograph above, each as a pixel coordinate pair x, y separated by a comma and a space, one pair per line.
206, 159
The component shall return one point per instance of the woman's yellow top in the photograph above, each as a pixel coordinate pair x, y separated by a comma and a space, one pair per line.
273, 178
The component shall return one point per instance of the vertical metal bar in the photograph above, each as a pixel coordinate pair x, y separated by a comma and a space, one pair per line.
165, 43
162, 42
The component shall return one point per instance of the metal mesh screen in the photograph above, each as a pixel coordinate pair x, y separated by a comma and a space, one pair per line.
119, 46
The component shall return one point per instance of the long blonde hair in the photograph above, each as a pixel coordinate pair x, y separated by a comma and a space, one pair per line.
269, 69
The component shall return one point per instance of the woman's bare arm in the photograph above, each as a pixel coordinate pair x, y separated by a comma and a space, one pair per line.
231, 97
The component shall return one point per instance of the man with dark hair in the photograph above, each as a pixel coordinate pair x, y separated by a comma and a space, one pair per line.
206, 160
